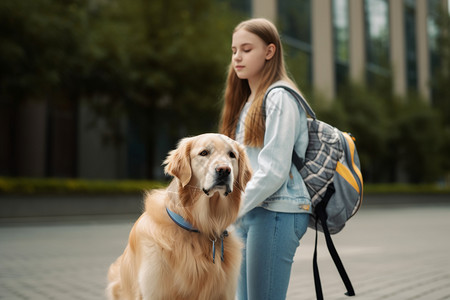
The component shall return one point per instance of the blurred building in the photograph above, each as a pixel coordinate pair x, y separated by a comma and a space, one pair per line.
328, 42
365, 41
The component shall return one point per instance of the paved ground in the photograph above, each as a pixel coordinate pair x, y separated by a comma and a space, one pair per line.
389, 253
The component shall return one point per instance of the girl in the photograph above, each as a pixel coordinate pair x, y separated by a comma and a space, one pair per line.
275, 212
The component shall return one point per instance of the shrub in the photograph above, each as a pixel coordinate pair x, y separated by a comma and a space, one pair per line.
419, 141
398, 140
33, 186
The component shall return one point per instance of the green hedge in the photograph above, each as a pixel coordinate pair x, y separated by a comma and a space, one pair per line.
371, 189
31, 186
35, 186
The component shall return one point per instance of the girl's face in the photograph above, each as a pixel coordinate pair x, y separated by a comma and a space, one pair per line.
250, 53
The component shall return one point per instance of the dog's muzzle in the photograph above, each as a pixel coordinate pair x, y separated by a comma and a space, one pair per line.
222, 179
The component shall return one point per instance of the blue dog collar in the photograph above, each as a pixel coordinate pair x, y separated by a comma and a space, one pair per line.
180, 221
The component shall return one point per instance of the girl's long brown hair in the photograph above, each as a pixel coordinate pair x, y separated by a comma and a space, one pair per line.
238, 90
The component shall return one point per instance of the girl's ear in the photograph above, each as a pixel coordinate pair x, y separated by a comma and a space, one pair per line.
270, 51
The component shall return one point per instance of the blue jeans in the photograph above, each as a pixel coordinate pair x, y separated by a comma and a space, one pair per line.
270, 241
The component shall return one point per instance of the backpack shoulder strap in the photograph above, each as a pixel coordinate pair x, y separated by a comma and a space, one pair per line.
322, 216
294, 93
298, 162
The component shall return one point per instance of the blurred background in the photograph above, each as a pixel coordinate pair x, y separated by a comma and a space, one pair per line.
94, 93
102, 89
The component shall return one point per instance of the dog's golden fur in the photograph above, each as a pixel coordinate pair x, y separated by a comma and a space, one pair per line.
163, 260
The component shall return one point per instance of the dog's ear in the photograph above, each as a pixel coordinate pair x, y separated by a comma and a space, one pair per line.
178, 162
245, 171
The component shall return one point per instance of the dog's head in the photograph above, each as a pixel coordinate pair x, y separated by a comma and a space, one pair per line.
211, 172
210, 162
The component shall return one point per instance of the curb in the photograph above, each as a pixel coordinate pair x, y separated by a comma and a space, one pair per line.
54, 206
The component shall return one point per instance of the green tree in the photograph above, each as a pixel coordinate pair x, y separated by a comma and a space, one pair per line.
441, 78
39, 48
160, 55
419, 141
162, 63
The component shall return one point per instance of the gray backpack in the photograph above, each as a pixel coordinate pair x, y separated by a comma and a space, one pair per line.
331, 172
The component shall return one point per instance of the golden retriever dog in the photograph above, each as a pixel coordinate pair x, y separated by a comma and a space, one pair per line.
180, 248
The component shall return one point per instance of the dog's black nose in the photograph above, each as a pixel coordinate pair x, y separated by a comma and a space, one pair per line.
223, 171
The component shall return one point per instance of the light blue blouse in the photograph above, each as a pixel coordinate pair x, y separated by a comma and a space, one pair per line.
276, 184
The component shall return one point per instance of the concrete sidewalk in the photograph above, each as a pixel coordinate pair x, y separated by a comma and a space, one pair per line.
389, 253
401, 253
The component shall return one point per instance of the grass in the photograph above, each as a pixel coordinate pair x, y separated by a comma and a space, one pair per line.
33, 186
398, 188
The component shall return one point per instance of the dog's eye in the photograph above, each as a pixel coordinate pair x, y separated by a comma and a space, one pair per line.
232, 155
204, 153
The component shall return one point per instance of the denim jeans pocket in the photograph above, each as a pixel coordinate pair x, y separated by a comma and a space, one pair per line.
301, 224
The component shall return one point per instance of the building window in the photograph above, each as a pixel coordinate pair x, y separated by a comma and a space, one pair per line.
341, 29
377, 41
294, 23
410, 39
437, 45
341, 41
434, 7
